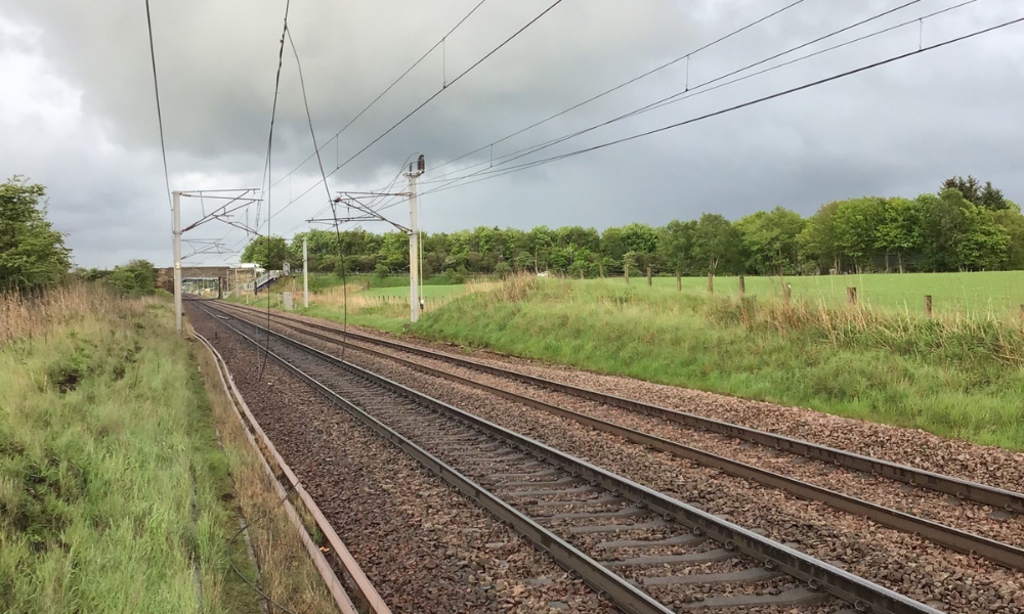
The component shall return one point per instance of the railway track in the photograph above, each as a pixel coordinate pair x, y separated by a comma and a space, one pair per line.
1004, 554
642, 549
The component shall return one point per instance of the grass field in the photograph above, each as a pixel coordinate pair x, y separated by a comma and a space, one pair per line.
999, 293
115, 496
955, 376
993, 293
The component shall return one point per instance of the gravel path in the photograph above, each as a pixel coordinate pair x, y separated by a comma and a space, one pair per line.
426, 548
952, 582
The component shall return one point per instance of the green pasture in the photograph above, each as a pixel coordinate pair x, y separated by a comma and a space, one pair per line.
998, 293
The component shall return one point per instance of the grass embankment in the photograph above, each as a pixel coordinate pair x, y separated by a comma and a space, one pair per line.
956, 375
113, 491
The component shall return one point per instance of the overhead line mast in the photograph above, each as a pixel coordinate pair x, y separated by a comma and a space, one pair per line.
365, 212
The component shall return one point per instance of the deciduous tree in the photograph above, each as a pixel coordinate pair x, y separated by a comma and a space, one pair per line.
32, 253
268, 252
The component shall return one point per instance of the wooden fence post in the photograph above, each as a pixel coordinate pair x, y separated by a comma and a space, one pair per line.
711, 283
928, 305
679, 286
851, 295
787, 292
625, 270
648, 276
743, 287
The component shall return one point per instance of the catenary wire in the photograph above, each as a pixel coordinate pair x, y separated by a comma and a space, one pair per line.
697, 89
427, 101
687, 94
628, 82
818, 82
387, 89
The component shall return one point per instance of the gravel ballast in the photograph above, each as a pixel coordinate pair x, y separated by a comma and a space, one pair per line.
425, 547
953, 582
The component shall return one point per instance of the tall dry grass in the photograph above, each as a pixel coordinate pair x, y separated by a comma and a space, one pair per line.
956, 332
357, 300
37, 314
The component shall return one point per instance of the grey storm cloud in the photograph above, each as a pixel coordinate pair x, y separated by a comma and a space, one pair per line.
77, 111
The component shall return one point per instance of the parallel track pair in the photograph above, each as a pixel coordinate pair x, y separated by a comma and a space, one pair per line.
642, 549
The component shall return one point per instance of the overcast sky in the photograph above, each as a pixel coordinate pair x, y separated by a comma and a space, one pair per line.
78, 114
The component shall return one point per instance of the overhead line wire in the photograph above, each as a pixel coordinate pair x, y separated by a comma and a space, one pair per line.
630, 81
431, 98
269, 167
696, 91
387, 89
750, 103
668, 99
334, 211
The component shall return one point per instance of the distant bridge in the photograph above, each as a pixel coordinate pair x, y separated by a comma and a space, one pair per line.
165, 276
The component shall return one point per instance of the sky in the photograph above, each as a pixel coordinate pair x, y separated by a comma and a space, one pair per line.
78, 110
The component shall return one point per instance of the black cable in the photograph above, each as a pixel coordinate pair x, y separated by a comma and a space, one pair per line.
388, 89
696, 91
238, 572
697, 88
270, 150
748, 103
337, 230
429, 99
159, 112
630, 81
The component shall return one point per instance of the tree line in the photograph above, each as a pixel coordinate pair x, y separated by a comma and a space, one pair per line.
965, 226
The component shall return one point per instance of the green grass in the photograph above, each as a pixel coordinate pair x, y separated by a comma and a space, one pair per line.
1000, 293
957, 377
105, 430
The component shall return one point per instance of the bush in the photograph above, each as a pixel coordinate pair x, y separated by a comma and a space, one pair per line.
137, 278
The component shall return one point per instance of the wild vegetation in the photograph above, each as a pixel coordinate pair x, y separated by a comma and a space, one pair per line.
111, 482
134, 279
109, 465
967, 226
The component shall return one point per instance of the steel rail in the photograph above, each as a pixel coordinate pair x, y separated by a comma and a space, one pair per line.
955, 539
363, 586
866, 596
618, 590
965, 489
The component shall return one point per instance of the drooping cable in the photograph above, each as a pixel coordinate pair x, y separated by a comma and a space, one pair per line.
334, 212
337, 135
270, 150
159, 111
